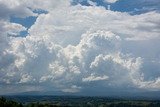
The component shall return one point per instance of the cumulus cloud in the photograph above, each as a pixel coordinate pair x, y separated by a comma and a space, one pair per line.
73, 47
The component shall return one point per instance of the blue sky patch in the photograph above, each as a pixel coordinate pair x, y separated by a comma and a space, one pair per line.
131, 6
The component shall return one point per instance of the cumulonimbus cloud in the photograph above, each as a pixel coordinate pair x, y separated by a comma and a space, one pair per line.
74, 46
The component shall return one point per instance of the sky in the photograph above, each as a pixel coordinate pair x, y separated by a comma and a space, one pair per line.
81, 47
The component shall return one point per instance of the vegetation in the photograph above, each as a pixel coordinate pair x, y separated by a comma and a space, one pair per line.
9, 103
80, 102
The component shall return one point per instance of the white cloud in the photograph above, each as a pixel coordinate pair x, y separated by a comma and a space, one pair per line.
110, 1
11, 29
92, 77
25, 78
92, 3
72, 46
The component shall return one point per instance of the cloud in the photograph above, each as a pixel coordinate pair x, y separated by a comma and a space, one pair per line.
72, 48
92, 3
92, 77
110, 1
25, 78
73, 89
14, 8
144, 25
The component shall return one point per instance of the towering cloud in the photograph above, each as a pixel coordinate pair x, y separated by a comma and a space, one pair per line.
70, 48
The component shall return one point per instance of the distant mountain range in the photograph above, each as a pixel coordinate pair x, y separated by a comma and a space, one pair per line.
147, 95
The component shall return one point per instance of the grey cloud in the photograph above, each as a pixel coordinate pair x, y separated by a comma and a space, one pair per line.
10, 8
